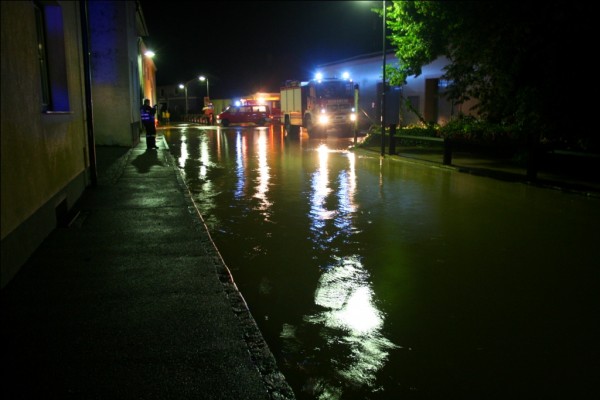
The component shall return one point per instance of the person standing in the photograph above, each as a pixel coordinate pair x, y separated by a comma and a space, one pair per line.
148, 114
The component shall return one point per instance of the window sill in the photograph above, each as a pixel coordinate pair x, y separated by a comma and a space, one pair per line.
57, 112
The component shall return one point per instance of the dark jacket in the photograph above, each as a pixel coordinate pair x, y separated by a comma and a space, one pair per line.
147, 114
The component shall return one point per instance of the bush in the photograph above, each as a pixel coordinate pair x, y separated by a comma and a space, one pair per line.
472, 134
467, 134
471, 129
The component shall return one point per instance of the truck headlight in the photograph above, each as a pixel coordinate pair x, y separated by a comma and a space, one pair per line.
323, 119
352, 117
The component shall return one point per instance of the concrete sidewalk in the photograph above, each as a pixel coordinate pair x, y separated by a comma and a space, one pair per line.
132, 300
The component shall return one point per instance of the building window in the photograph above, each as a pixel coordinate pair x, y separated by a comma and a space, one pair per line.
51, 55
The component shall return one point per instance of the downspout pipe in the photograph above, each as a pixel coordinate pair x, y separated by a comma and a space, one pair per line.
87, 72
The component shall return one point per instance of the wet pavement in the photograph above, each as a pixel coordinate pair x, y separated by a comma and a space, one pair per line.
132, 300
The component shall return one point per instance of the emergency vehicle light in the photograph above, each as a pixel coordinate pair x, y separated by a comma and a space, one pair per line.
323, 119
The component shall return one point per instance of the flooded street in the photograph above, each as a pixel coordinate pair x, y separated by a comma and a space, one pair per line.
385, 279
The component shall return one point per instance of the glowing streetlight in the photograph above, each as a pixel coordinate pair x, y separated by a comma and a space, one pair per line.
203, 78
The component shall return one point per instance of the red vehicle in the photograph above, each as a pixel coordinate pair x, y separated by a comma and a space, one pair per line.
255, 114
269, 99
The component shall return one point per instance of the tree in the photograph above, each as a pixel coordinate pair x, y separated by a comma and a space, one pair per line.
516, 58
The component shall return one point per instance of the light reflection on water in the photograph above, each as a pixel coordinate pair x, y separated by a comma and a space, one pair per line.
240, 151
262, 175
343, 290
373, 278
349, 310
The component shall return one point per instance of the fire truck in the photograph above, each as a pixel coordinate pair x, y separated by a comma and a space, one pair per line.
319, 105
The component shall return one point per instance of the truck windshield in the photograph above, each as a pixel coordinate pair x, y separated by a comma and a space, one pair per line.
331, 90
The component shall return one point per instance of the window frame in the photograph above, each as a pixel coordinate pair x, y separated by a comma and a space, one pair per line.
52, 62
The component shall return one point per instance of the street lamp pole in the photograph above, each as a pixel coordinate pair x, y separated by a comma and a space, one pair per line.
184, 87
203, 78
383, 90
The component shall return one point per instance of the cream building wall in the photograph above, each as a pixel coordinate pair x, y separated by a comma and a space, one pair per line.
44, 155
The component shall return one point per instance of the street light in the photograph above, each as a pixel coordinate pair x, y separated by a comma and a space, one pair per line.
184, 87
203, 78
383, 90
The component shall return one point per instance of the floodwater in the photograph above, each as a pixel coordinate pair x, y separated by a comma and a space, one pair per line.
377, 278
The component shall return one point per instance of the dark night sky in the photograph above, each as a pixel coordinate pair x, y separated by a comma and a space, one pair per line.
249, 46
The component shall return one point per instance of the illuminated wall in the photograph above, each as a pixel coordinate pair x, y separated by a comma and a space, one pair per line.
367, 72
116, 93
